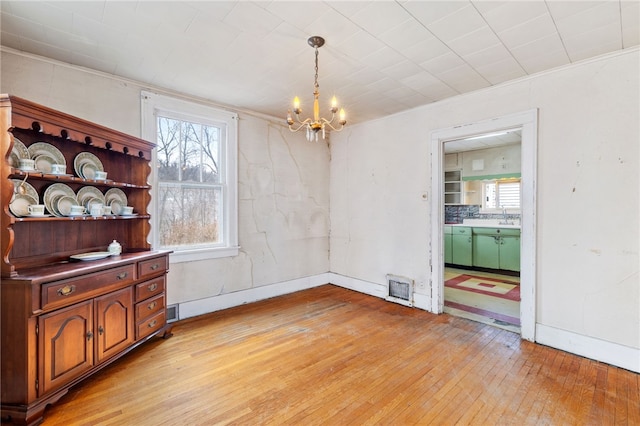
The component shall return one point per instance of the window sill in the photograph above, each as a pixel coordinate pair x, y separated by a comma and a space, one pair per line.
202, 254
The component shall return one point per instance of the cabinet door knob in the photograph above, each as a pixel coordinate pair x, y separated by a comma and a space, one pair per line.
89, 335
100, 330
122, 275
66, 290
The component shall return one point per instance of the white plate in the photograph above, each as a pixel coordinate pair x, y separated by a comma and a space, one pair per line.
19, 151
116, 198
91, 256
44, 162
89, 161
86, 193
55, 190
26, 187
43, 148
20, 204
64, 203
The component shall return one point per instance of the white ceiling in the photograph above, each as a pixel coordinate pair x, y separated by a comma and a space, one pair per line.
380, 57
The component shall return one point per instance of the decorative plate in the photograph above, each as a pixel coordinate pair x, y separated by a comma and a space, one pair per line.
117, 199
24, 187
19, 151
88, 161
19, 206
54, 190
43, 148
86, 193
63, 204
91, 256
93, 202
44, 162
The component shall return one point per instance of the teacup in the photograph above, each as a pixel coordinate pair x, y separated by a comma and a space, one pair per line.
58, 169
36, 209
126, 210
106, 210
27, 164
100, 175
96, 210
76, 210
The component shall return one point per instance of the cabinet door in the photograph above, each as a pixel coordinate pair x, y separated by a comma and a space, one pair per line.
448, 248
510, 253
66, 339
486, 251
462, 249
114, 322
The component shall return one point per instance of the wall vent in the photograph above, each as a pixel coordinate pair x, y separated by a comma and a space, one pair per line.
172, 313
399, 290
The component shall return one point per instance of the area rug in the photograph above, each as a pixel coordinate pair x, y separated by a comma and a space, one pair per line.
495, 287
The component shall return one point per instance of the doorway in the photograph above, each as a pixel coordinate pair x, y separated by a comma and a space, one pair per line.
526, 123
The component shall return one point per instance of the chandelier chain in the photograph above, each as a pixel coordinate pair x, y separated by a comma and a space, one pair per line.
316, 76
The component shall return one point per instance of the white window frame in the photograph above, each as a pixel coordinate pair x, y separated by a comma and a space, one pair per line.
498, 209
152, 105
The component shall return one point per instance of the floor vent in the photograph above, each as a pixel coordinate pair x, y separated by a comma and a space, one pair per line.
399, 290
172, 313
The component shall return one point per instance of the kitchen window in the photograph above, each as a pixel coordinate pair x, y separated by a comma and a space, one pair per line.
194, 177
499, 194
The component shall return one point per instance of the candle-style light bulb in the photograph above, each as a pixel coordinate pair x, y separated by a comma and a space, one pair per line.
334, 102
296, 103
343, 116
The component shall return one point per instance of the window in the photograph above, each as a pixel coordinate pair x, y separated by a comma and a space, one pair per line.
194, 177
500, 194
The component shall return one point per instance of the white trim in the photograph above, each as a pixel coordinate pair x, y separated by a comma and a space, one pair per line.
590, 347
528, 121
152, 103
361, 286
229, 300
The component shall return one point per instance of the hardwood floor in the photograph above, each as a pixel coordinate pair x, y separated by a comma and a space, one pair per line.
334, 357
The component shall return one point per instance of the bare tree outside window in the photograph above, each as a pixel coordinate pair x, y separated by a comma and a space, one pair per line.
190, 185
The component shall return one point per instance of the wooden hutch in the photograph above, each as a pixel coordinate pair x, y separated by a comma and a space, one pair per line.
63, 320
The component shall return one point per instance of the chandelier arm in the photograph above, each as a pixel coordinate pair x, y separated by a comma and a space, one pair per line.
302, 124
337, 129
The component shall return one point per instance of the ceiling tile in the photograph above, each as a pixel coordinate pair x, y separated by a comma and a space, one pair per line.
442, 63
427, 12
463, 21
493, 54
464, 79
252, 19
501, 71
630, 14
480, 39
511, 13
535, 29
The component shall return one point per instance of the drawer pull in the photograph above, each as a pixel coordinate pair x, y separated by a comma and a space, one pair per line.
66, 290
152, 323
89, 335
153, 287
151, 305
154, 266
101, 330
122, 275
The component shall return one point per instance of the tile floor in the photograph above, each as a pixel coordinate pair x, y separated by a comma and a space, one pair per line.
483, 308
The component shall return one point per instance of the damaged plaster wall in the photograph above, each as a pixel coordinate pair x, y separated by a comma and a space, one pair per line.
283, 218
587, 256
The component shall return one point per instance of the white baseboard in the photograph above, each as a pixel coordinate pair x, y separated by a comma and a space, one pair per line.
600, 350
361, 286
229, 300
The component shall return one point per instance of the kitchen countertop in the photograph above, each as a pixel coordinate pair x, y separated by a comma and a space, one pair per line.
486, 223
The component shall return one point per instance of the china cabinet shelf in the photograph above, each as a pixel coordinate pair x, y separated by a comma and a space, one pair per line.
90, 311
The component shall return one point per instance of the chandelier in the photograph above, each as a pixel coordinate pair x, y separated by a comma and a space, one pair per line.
316, 124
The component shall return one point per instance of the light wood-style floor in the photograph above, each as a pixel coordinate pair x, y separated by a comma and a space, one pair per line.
332, 356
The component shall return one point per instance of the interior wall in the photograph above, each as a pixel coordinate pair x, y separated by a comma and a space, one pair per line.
587, 193
283, 193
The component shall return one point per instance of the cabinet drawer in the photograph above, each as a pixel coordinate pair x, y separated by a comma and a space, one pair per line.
461, 230
152, 267
150, 288
151, 324
64, 292
149, 307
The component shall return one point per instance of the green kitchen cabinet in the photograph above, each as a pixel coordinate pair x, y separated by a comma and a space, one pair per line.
496, 248
510, 253
486, 251
462, 252
448, 245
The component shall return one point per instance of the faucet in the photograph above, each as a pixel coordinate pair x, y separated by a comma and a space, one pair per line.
504, 215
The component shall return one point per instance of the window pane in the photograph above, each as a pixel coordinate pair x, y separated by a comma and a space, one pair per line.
211, 154
509, 194
189, 214
191, 152
168, 148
